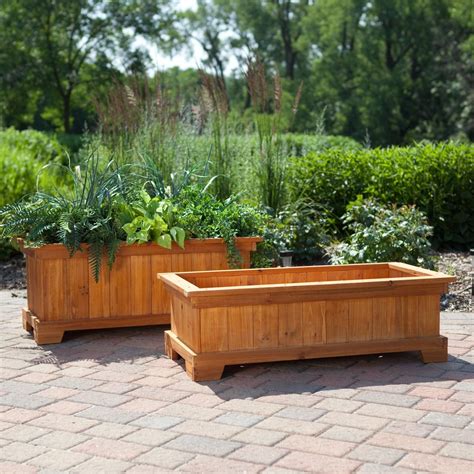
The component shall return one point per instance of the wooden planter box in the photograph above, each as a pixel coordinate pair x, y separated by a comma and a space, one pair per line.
63, 295
222, 318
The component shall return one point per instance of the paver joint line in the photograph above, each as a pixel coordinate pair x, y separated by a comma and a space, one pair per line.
109, 401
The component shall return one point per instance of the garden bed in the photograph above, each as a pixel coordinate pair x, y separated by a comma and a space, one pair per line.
236, 317
64, 296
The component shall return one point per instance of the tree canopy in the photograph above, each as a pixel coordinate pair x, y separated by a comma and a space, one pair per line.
388, 71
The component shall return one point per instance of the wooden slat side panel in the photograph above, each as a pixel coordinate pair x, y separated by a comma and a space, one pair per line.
265, 325
141, 280
314, 323
386, 319
185, 322
337, 321
31, 287
296, 277
120, 304
290, 324
77, 283
219, 261
360, 320
428, 311
408, 309
240, 327
214, 330
38, 280
160, 302
54, 294
99, 293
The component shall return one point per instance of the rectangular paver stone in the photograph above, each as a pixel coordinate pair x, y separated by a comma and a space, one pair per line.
375, 454
258, 454
203, 445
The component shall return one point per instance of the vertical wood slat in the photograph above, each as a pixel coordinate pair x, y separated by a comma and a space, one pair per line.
214, 330
185, 321
31, 288
337, 321
240, 327
428, 312
99, 293
140, 285
77, 289
54, 294
160, 301
120, 304
290, 324
386, 319
407, 306
265, 326
360, 326
314, 323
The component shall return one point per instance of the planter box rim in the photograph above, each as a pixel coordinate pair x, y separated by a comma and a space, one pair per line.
145, 248
422, 276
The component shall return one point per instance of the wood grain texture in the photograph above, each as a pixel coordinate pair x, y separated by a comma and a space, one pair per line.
337, 321
290, 325
77, 290
62, 288
314, 323
265, 325
214, 330
276, 315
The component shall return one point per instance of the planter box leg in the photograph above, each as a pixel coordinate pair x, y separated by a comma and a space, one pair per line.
439, 354
48, 335
26, 323
201, 373
170, 352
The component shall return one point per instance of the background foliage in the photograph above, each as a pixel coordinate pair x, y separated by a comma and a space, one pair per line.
389, 71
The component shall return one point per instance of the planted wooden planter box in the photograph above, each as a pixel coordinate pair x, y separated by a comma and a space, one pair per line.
63, 295
223, 318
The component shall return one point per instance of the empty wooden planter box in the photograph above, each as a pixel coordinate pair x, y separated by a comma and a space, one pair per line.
63, 295
222, 318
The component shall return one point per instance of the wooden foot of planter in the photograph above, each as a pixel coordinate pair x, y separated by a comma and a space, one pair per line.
52, 332
439, 354
209, 366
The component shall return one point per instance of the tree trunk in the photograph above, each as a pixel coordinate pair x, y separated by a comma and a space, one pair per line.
67, 112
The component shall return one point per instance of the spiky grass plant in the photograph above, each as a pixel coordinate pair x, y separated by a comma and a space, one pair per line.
84, 215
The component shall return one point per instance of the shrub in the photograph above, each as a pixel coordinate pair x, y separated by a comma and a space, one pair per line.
383, 234
437, 178
22, 155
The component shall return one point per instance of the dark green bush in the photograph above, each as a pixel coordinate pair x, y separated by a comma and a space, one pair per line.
384, 234
437, 178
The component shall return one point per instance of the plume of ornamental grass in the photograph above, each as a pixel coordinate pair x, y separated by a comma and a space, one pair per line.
272, 154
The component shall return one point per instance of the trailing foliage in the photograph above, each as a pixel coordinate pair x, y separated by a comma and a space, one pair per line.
203, 216
383, 234
84, 215
437, 178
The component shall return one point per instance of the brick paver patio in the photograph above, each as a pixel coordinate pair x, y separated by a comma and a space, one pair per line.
110, 401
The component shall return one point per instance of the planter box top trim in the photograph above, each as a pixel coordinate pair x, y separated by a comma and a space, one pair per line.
150, 248
331, 278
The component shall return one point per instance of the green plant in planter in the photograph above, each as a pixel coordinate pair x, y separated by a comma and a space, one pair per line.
150, 220
204, 216
84, 215
384, 233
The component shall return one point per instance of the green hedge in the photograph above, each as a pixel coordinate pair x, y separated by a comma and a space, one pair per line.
437, 178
